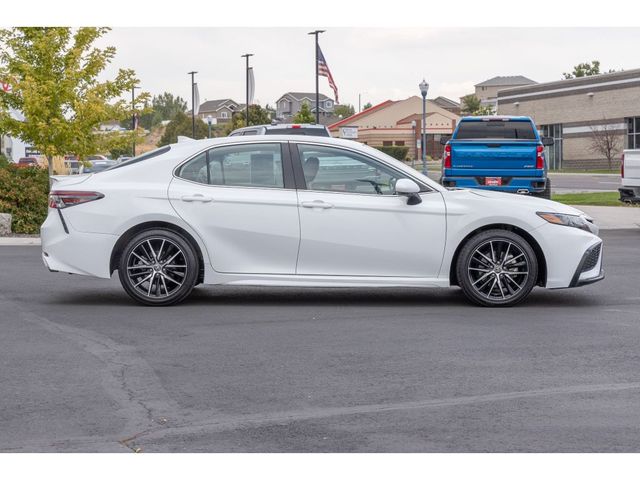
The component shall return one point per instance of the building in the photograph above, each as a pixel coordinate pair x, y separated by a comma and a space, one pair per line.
574, 111
220, 110
398, 123
289, 104
487, 91
447, 104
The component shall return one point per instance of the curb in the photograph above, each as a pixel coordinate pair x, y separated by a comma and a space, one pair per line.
19, 241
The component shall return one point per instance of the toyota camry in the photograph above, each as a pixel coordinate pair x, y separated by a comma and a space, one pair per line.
307, 212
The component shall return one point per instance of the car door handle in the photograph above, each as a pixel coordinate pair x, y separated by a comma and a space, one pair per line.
317, 204
196, 198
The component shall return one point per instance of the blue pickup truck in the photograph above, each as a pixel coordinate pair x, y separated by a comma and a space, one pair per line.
497, 153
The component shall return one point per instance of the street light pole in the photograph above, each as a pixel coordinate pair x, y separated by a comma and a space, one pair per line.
415, 147
246, 56
424, 88
209, 120
133, 117
316, 33
193, 105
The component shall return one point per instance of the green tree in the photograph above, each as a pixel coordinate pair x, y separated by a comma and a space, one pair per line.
344, 111
471, 105
584, 70
367, 105
54, 73
257, 116
181, 125
304, 115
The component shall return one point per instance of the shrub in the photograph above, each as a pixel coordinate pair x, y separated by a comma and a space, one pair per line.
396, 152
24, 194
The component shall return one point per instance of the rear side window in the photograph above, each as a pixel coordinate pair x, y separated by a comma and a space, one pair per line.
316, 132
238, 165
495, 129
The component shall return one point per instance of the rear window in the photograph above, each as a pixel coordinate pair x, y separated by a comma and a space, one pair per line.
316, 132
146, 156
495, 129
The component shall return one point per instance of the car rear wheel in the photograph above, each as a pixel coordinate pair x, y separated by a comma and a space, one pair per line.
158, 267
497, 268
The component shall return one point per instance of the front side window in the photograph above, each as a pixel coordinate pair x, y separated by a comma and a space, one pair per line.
257, 165
337, 170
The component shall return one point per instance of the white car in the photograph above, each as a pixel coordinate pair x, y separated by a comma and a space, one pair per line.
312, 212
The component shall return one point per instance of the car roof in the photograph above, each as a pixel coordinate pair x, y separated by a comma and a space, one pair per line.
480, 118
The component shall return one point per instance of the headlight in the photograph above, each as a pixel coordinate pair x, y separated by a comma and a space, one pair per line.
576, 221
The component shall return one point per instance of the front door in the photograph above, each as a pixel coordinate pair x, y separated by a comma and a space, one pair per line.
235, 198
353, 223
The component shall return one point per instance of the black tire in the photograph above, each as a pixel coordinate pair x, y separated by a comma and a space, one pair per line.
163, 255
505, 274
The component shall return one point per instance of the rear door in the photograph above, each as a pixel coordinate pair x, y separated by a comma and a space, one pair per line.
501, 147
241, 201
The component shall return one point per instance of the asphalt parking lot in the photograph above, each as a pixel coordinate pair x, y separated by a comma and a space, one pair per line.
272, 370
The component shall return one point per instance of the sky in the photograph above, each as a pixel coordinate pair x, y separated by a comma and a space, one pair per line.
377, 63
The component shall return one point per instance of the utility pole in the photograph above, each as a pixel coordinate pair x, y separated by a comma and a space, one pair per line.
316, 33
246, 56
359, 102
133, 117
193, 105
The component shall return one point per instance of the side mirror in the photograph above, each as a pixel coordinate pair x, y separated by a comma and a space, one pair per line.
409, 189
547, 141
444, 140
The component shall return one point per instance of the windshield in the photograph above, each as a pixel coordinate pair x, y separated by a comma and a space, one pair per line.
495, 129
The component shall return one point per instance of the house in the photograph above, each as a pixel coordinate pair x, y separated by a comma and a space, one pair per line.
447, 104
289, 104
487, 91
398, 123
221, 110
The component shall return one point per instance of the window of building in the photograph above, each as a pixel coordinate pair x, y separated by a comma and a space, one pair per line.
633, 132
224, 114
387, 143
238, 165
337, 170
553, 153
400, 143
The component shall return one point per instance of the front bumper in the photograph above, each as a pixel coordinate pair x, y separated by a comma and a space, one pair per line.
70, 251
590, 267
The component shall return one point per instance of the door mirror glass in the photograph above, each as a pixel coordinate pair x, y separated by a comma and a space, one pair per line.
547, 141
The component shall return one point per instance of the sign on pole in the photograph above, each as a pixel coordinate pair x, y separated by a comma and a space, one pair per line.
196, 99
252, 86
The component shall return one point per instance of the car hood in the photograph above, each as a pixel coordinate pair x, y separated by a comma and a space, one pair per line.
519, 201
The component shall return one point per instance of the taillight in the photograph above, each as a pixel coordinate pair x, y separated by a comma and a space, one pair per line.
540, 157
295, 126
64, 199
622, 166
447, 156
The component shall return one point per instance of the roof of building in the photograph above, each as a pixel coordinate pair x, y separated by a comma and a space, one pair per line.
214, 105
366, 111
445, 102
506, 81
301, 95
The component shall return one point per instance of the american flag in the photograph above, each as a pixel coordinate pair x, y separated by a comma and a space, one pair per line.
323, 70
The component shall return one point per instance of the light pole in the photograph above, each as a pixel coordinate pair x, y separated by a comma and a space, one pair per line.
246, 56
316, 33
209, 120
415, 146
193, 104
424, 88
133, 117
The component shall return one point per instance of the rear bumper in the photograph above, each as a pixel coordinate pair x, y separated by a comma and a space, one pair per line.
629, 194
510, 184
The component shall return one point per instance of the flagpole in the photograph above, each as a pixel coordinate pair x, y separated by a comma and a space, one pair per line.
193, 105
316, 33
247, 55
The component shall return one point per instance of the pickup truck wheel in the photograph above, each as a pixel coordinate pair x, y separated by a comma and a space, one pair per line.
546, 193
497, 268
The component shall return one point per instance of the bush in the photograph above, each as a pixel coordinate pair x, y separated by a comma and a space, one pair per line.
400, 153
24, 194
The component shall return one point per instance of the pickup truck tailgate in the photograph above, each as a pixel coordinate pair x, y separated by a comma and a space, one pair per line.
501, 157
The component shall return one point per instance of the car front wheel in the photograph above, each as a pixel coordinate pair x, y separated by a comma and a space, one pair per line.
497, 268
158, 267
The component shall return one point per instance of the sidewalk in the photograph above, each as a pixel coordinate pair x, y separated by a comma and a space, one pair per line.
610, 218
19, 241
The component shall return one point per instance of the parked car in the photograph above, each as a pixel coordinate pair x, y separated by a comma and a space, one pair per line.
123, 158
497, 153
26, 162
630, 177
97, 165
72, 164
283, 129
305, 212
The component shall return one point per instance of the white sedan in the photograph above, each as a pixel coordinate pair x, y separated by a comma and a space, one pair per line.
312, 212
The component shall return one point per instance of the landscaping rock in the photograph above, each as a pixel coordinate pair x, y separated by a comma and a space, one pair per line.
5, 224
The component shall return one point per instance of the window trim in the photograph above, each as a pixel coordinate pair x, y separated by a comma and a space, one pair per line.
287, 168
301, 183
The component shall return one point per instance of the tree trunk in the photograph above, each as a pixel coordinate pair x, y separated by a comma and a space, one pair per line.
50, 167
